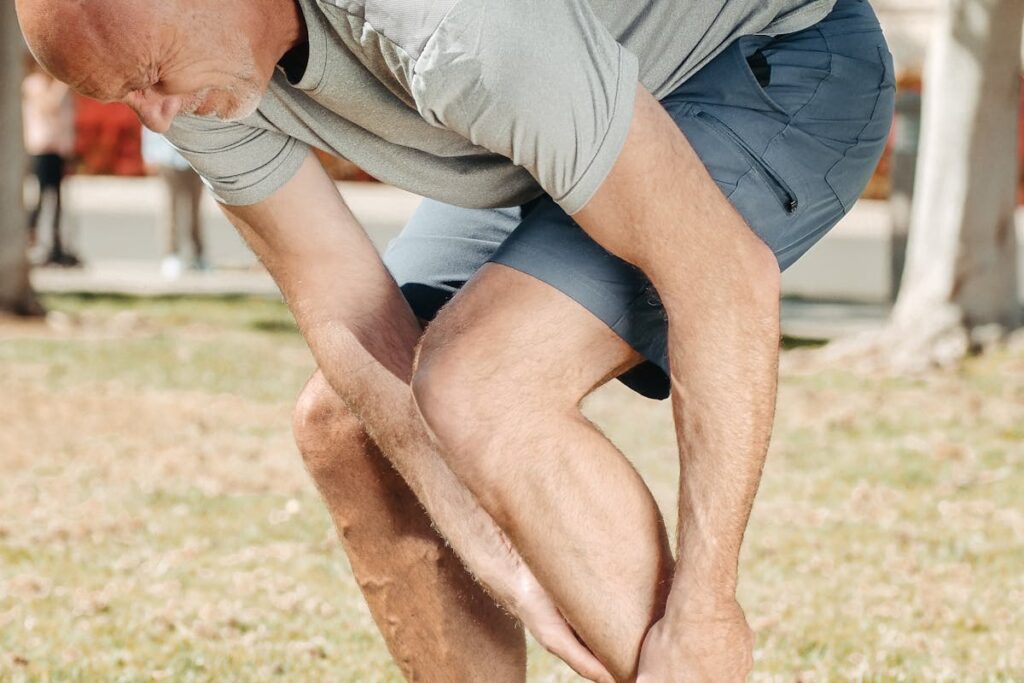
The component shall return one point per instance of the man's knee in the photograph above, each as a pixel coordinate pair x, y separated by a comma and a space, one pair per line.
324, 428
445, 390
472, 395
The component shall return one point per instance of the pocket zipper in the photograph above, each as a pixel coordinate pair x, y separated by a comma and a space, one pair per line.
781, 190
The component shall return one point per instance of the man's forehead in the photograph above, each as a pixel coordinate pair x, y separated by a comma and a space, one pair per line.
97, 57
104, 74
97, 75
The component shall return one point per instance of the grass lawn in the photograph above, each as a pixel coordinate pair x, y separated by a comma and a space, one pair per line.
156, 522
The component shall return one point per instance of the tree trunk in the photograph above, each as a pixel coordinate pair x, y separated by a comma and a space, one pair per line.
962, 255
16, 295
959, 288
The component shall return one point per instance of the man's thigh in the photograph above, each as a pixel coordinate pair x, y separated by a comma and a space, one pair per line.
605, 305
440, 249
520, 337
565, 289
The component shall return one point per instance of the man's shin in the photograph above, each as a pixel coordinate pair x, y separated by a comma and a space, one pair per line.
436, 620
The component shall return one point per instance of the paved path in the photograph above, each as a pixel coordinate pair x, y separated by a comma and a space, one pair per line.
113, 222
801, 318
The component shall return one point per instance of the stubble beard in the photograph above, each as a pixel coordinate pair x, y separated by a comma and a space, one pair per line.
245, 100
239, 101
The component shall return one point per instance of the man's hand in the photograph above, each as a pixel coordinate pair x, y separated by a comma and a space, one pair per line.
716, 647
535, 608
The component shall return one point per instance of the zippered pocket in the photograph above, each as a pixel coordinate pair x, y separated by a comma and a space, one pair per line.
787, 198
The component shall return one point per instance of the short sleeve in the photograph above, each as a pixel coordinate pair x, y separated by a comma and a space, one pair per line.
240, 163
541, 82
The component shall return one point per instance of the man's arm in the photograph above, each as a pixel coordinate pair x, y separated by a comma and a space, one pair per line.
659, 209
363, 335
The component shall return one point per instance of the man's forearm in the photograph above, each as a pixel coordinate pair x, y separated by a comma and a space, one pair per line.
724, 365
384, 403
725, 382
660, 210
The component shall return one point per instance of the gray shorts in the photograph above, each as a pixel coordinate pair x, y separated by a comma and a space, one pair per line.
790, 127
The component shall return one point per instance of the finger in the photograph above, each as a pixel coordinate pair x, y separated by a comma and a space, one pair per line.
570, 650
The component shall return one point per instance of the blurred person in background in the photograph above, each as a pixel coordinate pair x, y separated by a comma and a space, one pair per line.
184, 195
48, 111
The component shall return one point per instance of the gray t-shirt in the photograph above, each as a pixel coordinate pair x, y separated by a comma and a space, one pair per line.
477, 103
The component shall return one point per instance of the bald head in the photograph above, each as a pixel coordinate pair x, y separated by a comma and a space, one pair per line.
205, 57
85, 42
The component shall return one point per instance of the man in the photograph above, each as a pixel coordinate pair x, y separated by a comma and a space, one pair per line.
598, 123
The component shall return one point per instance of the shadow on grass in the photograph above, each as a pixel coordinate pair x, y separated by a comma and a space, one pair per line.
128, 300
274, 326
239, 312
790, 342
258, 314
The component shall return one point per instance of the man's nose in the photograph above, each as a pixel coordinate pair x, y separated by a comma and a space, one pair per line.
154, 110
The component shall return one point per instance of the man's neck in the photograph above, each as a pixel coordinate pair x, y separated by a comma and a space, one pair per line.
285, 24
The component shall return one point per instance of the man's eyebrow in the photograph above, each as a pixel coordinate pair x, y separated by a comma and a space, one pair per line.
89, 87
138, 83
130, 87
140, 80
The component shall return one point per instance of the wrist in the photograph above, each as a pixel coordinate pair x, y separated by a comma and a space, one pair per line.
698, 595
706, 571
683, 615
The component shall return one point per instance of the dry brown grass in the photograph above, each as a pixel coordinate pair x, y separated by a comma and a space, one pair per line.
156, 522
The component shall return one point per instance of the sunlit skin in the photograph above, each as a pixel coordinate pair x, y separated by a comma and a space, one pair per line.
184, 57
